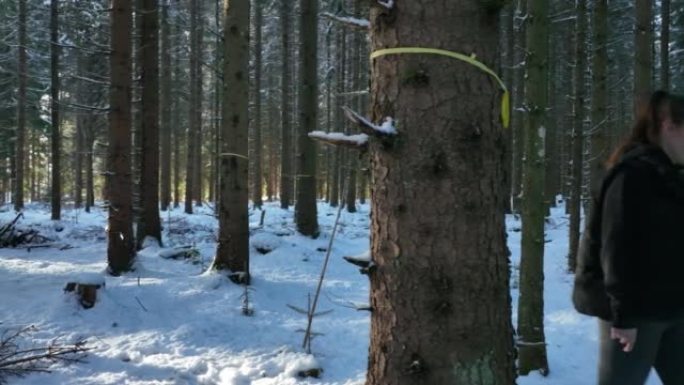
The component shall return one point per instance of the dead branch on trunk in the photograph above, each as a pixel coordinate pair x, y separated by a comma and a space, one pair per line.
385, 130
357, 142
348, 21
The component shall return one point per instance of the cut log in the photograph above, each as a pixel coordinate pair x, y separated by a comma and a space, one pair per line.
85, 287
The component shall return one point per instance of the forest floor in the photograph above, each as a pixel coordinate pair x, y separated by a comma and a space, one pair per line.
172, 323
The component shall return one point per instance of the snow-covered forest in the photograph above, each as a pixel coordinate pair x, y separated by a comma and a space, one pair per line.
199, 192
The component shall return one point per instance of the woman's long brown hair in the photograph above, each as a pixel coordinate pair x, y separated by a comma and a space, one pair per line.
650, 116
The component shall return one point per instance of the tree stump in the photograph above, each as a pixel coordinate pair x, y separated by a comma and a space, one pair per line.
85, 287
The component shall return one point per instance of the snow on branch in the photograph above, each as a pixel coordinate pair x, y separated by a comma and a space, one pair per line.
359, 141
347, 20
389, 4
386, 129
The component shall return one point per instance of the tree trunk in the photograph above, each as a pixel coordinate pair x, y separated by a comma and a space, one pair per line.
120, 246
339, 117
439, 285
165, 104
19, 153
257, 187
190, 171
199, 185
233, 244
90, 182
599, 100
665, 45
78, 161
54, 111
286, 108
531, 341
578, 133
643, 47
519, 118
149, 224
306, 215
176, 127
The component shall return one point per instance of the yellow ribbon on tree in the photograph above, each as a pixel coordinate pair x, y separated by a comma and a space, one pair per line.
505, 98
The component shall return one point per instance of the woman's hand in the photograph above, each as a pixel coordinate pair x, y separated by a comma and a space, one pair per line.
627, 337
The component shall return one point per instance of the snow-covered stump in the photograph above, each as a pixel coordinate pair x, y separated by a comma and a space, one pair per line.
85, 287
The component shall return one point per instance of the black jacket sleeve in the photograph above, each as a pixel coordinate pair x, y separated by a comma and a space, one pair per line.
621, 217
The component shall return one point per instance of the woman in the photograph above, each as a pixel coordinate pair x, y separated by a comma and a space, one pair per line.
630, 270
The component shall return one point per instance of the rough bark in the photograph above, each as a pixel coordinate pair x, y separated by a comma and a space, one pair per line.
306, 216
149, 224
19, 152
286, 107
599, 100
531, 341
198, 192
232, 253
579, 80
257, 187
165, 104
643, 48
120, 245
190, 164
55, 143
518, 116
439, 285
665, 45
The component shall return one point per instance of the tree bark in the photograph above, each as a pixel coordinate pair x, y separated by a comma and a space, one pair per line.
531, 340
665, 45
199, 43
439, 283
306, 215
165, 103
643, 46
190, 171
149, 224
19, 152
257, 187
519, 117
232, 253
578, 133
286, 108
599, 100
120, 246
56, 193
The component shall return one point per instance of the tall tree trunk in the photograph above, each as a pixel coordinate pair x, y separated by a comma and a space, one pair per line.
190, 171
643, 47
165, 104
578, 132
519, 118
306, 215
120, 246
19, 151
353, 162
54, 113
149, 224
78, 161
176, 126
199, 43
599, 100
339, 117
90, 182
257, 187
665, 45
233, 244
439, 286
531, 341
286, 108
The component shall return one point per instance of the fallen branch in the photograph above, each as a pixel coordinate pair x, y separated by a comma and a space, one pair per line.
17, 362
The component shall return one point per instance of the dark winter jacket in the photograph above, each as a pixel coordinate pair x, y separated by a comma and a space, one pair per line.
631, 259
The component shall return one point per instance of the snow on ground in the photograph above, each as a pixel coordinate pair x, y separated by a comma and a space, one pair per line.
171, 323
